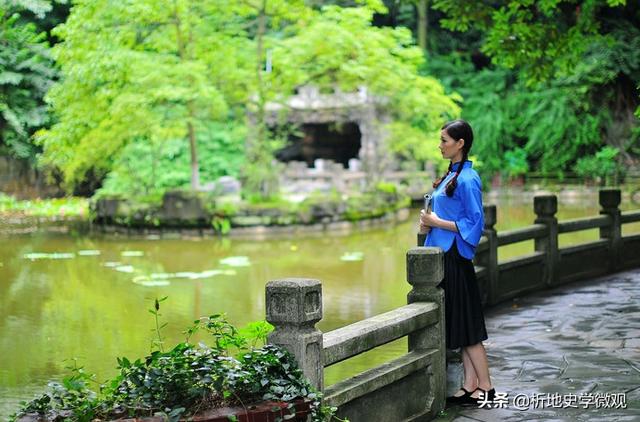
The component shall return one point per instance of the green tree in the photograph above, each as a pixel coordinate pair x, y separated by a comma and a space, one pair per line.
543, 38
142, 70
268, 22
149, 72
572, 89
26, 72
340, 48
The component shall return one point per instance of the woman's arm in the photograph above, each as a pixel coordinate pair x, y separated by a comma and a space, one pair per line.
432, 220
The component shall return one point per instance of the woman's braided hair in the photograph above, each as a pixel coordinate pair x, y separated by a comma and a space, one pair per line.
457, 129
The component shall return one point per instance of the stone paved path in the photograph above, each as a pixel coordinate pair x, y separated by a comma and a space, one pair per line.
582, 338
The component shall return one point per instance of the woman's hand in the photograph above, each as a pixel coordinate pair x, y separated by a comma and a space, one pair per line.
431, 219
428, 219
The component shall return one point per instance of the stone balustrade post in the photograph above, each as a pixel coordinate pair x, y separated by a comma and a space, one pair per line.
294, 306
609, 200
489, 257
545, 208
422, 237
425, 270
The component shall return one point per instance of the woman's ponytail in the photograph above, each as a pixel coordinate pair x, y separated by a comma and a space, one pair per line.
453, 183
437, 182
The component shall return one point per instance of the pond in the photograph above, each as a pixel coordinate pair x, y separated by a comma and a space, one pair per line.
69, 295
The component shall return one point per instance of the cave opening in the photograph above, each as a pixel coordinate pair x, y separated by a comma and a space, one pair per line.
338, 142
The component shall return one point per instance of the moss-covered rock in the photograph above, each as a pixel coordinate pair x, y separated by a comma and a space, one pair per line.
184, 209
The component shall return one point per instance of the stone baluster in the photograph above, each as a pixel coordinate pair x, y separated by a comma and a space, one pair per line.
489, 257
545, 208
294, 306
425, 270
609, 202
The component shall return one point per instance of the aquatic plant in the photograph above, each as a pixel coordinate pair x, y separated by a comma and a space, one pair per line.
186, 379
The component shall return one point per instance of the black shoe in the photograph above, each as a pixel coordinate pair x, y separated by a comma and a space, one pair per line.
489, 396
453, 400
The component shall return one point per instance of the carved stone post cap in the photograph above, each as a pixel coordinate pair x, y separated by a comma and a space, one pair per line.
294, 301
545, 205
609, 198
425, 266
490, 216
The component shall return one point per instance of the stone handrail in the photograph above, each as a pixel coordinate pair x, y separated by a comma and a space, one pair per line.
408, 388
351, 340
508, 237
413, 386
586, 223
630, 216
550, 265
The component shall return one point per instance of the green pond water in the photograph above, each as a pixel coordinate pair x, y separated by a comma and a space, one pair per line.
65, 295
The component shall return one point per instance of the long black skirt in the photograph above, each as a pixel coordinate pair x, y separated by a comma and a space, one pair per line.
464, 319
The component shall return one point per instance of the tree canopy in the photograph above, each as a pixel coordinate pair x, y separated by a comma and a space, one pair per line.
153, 94
26, 73
151, 71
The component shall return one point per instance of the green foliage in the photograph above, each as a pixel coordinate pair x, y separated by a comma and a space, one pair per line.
135, 88
516, 162
72, 399
543, 38
186, 379
49, 208
602, 166
146, 168
221, 225
26, 72
146, 71
340, 48
384, 198
545, 128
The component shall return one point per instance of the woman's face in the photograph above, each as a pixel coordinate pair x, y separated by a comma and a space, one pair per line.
450, 148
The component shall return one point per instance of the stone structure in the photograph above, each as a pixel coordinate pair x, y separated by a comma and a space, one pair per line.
295, 305
358, 117
196, 214
410, 388
19, 178
413, 387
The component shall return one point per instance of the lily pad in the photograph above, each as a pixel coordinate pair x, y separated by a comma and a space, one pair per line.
352, 256
236, 261
211, 273
89, 252
191, 275
145, 281
57, 255
132, 253
112, 264
125, 269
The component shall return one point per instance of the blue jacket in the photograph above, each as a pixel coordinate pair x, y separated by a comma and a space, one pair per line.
464, 208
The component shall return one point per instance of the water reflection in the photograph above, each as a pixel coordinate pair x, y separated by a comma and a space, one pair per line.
91, 301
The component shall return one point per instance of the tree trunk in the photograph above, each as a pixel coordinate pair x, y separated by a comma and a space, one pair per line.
423, 7
262, 23
195, 169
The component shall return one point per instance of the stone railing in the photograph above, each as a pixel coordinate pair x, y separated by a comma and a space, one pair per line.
413, 387
405, 389
549, 264
327, 174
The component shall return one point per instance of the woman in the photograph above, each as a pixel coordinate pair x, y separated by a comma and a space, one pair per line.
455, 225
